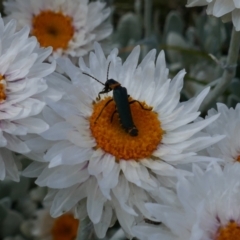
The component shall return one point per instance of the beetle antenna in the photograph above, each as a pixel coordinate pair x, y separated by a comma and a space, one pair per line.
93, 78
108, 69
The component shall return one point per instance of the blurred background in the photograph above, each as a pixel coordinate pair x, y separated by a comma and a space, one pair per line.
187, 35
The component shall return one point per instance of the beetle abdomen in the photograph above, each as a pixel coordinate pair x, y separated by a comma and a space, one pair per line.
133, 131
120, 97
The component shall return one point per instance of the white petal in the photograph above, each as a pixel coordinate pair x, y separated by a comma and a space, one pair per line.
10, 165
82, 141
150, 57
63, 176
157, 165
59, 131
193, 3
126, 221
2, 169
34, 169
95, 201
96, 162
187, 131
129, 169
15, 144
34, 125
237, 3
109, 181
129, 66
70, 156
155, 210
161, 73
121, 192
67, 198
102, 227
236, 19
221, 7
38, 144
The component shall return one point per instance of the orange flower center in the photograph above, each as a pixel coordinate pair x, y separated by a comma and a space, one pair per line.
52, 29
230, 232
65, 228
3, 95
238, 159
112, 138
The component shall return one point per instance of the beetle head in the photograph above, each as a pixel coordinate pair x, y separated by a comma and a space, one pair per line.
112, 84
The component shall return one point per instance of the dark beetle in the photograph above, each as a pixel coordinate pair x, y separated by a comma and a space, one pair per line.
120, 97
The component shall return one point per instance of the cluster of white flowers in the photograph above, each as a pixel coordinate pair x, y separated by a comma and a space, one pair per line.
131, 152
23, 93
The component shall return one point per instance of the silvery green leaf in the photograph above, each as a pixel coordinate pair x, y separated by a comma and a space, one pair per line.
190, 35
200, 22
26, 206
81, 209
213, 40
6, 202
176, 42
129, 29
5, 188
85, 229
173, 23
174, 67
11, 224
119, 235
3, 211
211, 33
151, 42
235, 87
18, 237
37, 194
232, 100
20, 189
27, 228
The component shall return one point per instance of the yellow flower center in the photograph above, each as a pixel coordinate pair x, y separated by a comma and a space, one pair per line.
52, 29
230, 232
3, 95
65, 228
113, 139
238, 159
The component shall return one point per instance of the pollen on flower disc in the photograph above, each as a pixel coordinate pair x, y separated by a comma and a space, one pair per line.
65, 227
3, 95
52, 29
238, 158
229, 232
113, 139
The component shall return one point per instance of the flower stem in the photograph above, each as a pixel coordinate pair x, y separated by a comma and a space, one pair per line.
228, 74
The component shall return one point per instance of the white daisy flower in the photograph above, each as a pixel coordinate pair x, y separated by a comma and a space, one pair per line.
69, 26
227, 124
22, 91
44, 227
226, 9
206, 207
90, 155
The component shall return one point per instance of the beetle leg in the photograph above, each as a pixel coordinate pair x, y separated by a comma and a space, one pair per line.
102, 92
133, 101
103, 109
